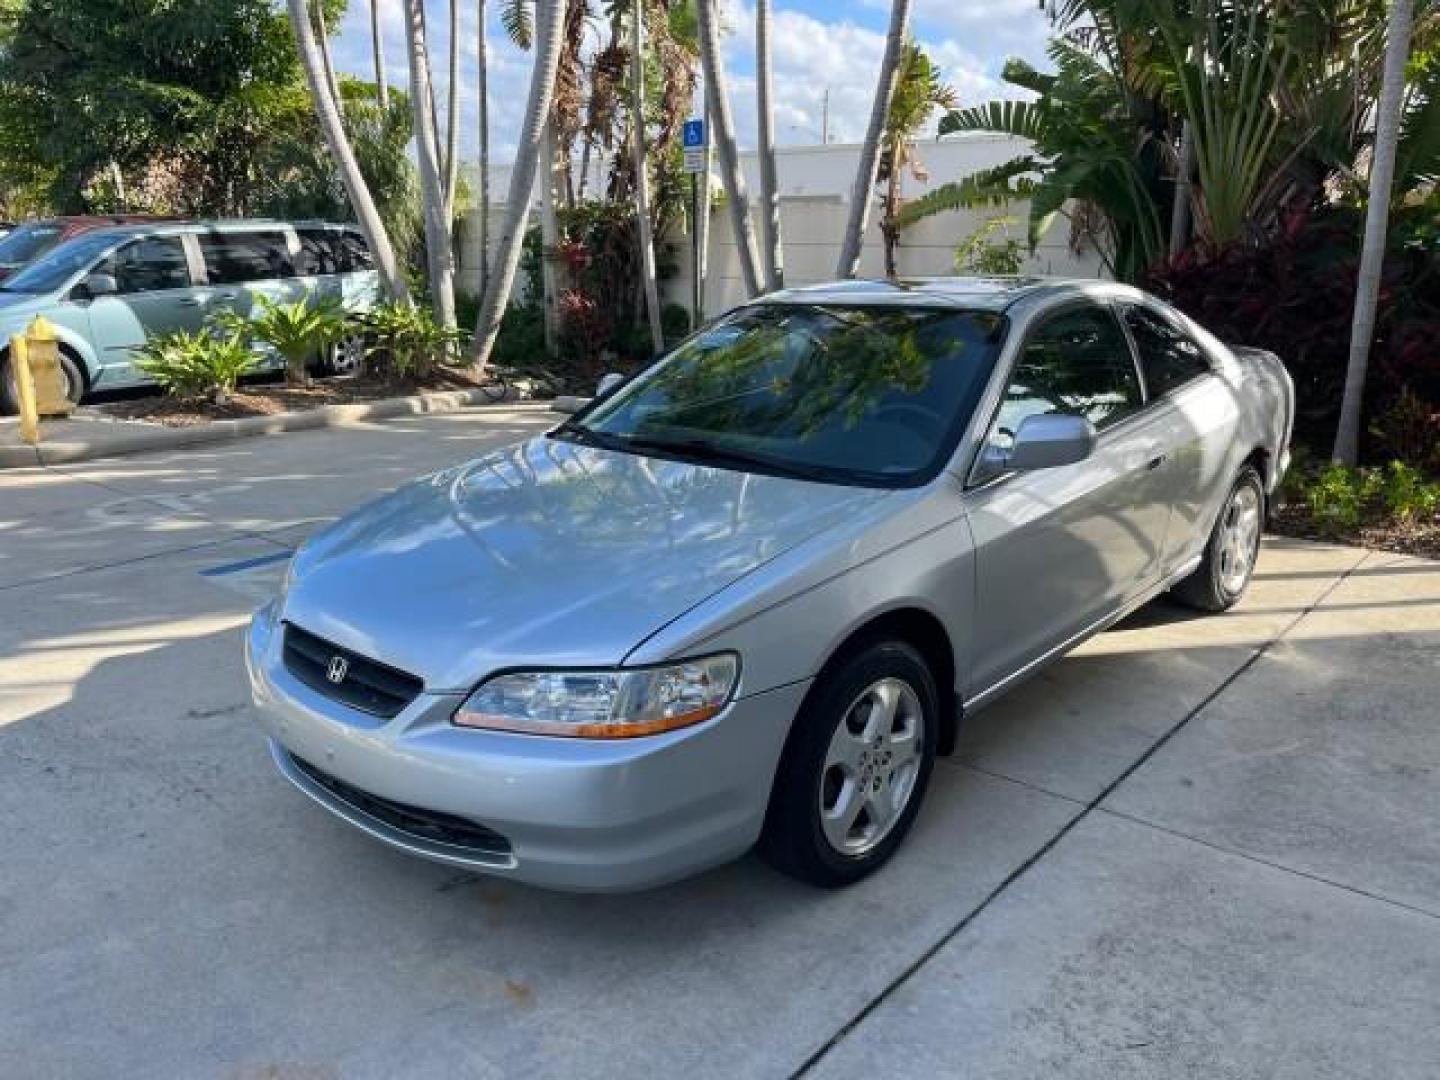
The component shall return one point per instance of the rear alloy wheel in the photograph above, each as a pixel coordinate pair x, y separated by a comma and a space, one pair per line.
1224, 573
344, 357
855, 769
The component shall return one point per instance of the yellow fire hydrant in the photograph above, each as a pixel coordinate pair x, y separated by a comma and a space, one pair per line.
39, 378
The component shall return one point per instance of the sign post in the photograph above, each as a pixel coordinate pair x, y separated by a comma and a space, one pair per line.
697, 165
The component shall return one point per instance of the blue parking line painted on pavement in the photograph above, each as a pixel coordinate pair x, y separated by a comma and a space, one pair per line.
247, 564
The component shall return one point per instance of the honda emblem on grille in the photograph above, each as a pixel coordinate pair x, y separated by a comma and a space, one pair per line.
338, 669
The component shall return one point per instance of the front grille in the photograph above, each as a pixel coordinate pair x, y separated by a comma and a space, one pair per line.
364, 684
428, 825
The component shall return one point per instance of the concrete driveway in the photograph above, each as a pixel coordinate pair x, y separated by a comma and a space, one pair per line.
1198, 846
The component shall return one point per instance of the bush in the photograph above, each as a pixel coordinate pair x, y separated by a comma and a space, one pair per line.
674, 322
1339, 499
1294, 296
298, 331
404, 342
194, 364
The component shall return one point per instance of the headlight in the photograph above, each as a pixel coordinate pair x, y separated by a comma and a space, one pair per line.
604, 704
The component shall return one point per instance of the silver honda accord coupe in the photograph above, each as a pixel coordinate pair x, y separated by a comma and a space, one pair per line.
748, 595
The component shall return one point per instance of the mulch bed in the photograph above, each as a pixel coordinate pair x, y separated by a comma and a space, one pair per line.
1414, 538
267, 399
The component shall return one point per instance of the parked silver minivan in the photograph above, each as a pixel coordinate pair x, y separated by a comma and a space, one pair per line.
110, 290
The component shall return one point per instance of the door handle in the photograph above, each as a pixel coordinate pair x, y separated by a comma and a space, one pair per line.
191, 301
1155, 462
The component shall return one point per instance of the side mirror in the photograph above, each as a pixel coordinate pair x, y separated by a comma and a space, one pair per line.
1050, 440
96, 285
608, 383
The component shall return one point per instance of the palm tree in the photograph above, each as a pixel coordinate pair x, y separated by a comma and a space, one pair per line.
328, 115
432, 191
377, 52
452, 115
322, 36
550, 15
642, 171
718, 99
1377, 214
774, 259
918, 93
484, 121
869, 165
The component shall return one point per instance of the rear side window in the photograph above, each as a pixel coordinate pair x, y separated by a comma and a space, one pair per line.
320, 252
332, 251
1168, 356
1077, 362
234, 258
150, 265
357, 252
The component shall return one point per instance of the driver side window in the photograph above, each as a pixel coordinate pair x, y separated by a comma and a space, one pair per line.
149, 265
1076, 362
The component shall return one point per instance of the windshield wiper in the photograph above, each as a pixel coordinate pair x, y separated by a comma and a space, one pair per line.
588, 436
706, 451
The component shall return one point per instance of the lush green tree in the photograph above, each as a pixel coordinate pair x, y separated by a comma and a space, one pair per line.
188, 95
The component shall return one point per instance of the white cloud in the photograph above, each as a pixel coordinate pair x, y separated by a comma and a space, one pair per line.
811, 55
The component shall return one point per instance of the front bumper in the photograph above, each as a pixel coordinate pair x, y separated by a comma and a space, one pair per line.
587, 815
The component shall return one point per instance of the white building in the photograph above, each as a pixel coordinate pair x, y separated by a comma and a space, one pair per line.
815, 183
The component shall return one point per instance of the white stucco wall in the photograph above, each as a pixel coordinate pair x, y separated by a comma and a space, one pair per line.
814, 185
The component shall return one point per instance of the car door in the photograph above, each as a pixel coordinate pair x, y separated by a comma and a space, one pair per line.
1199, 414
1057, 550
154, 295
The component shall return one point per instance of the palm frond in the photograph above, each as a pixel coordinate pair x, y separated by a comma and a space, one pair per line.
989, 187
518, 19
1020, 118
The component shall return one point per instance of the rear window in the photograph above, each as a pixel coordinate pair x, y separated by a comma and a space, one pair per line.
234, 258
1168, 356
332, 251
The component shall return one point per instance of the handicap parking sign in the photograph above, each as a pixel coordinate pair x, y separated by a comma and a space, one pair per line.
694, 133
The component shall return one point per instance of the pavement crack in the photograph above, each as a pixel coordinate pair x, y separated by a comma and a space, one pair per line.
1086, 810
1238, 853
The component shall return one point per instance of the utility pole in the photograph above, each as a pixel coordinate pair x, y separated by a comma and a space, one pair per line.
825, 118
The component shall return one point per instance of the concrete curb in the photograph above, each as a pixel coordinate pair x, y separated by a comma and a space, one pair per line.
119, 439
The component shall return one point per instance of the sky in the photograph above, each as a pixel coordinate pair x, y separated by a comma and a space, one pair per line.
817, 45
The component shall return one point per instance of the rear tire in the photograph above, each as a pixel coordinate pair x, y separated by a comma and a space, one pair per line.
855, 768
1224, 573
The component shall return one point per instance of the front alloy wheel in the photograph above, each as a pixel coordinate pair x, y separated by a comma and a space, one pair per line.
856, 766
871, 767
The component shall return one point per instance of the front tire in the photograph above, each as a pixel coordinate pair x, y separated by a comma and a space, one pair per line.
10, 391
1224, 573
856, 767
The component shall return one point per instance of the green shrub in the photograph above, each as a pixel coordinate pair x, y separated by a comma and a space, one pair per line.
1339, 498
1407, 495
195, 364
405, 342
298, 331
674, 322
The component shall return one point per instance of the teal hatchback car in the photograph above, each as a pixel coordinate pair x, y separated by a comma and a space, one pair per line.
107, 292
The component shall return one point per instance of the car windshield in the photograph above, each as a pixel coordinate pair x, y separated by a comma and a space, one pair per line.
873, 396
53, 270
28, 242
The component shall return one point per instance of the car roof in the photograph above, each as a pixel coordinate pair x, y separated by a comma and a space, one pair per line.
163, 227
967, 293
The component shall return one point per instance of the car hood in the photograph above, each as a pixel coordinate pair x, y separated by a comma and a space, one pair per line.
545, 554
14, 304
